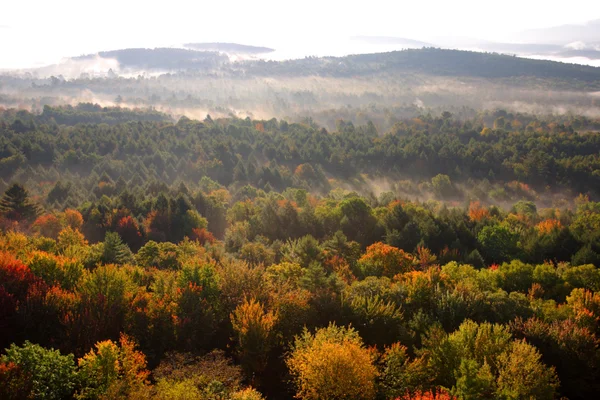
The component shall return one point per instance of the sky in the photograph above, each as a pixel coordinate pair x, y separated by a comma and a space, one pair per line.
36, 32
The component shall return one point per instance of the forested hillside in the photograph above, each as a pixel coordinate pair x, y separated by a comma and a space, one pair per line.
452, 255
437, 62
161, 58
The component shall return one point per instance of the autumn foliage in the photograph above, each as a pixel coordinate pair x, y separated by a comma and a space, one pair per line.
48, 225
332, 363
548, 225
254, 333
429, 395
477, 212
383, 259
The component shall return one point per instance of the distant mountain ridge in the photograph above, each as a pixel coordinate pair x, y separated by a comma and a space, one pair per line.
431, 61
426, 61
165, 58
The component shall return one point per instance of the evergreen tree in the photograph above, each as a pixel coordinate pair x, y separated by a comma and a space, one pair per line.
115, 251
15, 204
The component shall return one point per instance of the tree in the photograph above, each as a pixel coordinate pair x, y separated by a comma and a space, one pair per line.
522, 375
114, 251
114, 370
442, 186
358, 222
401, 377
572, 349
129, 230
381, 259
247, 394
15, 384
474, 382
69, 237
48, 225
483, 361
498, 243
59, 193
51, 375
254, 329
16, 205
379, 322
332, 363
439, 394
302, 251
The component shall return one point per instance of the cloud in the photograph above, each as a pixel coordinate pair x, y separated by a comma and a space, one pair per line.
4, 27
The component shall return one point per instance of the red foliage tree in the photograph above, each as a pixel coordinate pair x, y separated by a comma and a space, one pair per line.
15, 277
47, 225
15, 280
14, 383
129, 230
202, 236
157, 226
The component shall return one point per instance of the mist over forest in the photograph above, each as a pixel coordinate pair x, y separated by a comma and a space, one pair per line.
355, 88
217, 221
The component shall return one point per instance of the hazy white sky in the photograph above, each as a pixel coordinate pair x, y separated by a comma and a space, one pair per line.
41, 31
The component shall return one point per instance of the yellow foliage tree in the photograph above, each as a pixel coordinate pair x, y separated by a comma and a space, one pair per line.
247, 394
332, 364
254, 329
114, 371
69, 237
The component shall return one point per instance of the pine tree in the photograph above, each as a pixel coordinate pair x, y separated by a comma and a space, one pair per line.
115, 251
15, 204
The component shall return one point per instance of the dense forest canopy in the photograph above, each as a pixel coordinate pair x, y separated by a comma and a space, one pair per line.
452, 255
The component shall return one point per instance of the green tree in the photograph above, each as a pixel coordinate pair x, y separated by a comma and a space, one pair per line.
51, 374
498, 243
474, 382
522, 375
400, 375
16, 205
442, 186
114, 251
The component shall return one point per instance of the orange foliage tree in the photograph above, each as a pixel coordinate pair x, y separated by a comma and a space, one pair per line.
477, 212
383, 259
548, 226
73, 218
202, 236
47, 225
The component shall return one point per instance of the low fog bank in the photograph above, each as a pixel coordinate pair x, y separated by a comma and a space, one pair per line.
379, 88
323, 100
